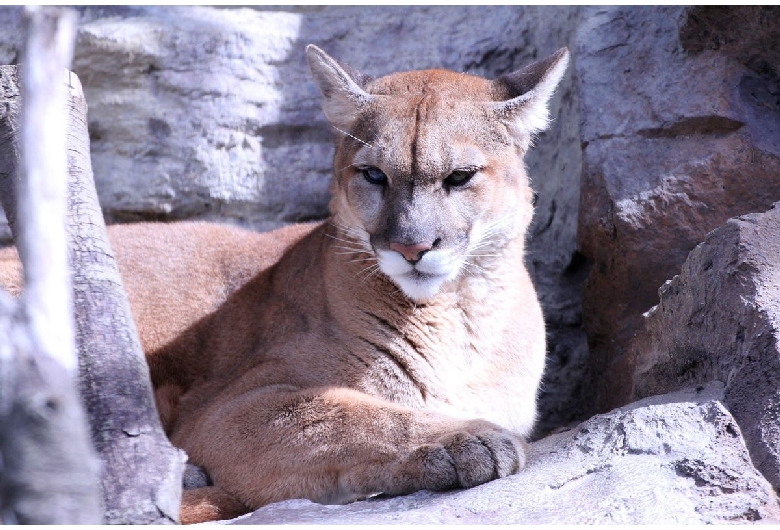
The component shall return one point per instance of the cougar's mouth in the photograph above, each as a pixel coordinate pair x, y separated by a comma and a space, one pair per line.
419, 281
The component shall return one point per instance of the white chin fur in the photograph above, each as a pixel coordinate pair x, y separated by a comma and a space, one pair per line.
420, 282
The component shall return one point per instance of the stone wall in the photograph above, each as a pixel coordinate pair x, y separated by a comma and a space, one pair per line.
680, 132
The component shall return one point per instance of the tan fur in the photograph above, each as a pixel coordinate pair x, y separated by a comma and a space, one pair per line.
11, 273
289, 365
209, 504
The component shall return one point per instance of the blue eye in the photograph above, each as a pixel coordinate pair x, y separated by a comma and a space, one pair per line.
375, 176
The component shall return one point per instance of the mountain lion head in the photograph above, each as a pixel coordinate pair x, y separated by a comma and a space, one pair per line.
429, 176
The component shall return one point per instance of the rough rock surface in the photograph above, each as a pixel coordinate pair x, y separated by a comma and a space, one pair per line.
673, 459
681, 131
719, 319
199, 112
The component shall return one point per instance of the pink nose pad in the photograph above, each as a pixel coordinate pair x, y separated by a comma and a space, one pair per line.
411, 252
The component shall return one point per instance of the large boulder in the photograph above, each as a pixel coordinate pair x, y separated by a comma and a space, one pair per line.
680, 132
719, 319
207, 113
674, 459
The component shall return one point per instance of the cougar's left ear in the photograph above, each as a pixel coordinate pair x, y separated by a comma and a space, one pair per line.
528, 91
341, 87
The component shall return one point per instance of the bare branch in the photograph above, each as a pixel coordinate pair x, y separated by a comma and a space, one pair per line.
49, 469
41, 239
141, 475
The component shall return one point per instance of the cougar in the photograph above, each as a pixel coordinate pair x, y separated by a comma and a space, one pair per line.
397, 346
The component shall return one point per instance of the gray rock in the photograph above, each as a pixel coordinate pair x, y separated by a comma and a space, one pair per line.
681, 131
195, 477
5, 230
674, 459
719, 319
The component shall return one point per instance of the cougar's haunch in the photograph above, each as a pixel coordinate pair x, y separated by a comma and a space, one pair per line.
397, 346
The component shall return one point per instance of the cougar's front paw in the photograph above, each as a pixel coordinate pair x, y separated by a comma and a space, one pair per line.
477, 453
484, 453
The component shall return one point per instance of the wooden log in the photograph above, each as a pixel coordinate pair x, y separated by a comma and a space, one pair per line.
142, 471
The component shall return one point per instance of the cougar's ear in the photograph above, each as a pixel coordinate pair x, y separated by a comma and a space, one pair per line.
341, 87
528, 92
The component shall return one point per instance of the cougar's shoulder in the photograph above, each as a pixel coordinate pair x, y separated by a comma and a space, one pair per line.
177, 273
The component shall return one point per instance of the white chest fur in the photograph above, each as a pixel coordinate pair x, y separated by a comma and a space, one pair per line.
483, 360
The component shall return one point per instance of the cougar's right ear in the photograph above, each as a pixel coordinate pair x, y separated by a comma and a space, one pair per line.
344, 97
529, 90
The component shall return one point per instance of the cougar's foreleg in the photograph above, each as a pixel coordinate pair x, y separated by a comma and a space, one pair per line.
336, 445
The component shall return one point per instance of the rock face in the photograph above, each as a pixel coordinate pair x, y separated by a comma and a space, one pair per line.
719, 319
680, 132
673, 459
207, 113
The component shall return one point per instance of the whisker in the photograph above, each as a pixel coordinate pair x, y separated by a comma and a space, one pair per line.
357, 234
473, 267
339, 238
351, 245
491, 237
353, 137
374, 269
345, 167
350, 248
370, 267
348, 245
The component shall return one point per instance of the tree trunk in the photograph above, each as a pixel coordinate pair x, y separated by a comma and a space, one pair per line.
141, 474
10, 150
50, 471
142, 471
